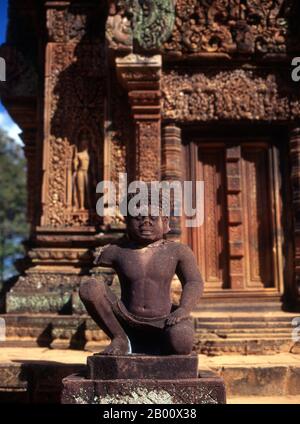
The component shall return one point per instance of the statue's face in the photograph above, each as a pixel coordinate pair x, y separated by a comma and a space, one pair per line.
147, 229
83, 144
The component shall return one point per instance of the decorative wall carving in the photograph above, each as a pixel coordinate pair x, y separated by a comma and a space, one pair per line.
50, 281
152, 22
56, 254
234, 27
64, 26
141, 25
235, 94
118, 27
147, 153
75, 109
75, 23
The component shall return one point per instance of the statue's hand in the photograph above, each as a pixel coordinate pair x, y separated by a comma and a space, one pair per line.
177, 316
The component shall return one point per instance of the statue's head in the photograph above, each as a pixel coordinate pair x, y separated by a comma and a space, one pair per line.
83, 140
148, 223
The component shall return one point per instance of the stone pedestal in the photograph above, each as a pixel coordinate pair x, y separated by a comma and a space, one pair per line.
139, 379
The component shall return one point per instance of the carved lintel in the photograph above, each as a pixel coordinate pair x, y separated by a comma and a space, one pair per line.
295, 183
210, 95
140, 76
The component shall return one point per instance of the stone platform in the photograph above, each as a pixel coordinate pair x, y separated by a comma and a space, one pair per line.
141, 379
202, 390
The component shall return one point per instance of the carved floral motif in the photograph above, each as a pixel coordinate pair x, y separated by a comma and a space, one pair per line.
229, 95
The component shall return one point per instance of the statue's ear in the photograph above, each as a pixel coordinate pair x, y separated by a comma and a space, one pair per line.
166, 227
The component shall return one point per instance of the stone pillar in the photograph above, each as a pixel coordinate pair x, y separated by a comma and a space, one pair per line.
69, 145
171, 153
295, 183
171, 169
140, 76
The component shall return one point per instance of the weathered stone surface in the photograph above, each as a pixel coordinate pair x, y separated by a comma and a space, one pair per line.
79, 390
265, 381
52, 293
171, 367
36, 302
294, 381
11, 377
39, 381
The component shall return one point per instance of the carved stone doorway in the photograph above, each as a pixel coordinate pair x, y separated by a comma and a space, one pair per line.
239, 245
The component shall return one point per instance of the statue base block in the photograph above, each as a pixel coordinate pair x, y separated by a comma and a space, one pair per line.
139, 379
104, 367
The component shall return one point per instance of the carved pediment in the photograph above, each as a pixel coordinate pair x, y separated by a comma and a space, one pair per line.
235, 27
193, 27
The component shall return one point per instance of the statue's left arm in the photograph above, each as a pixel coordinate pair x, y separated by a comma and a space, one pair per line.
192, 284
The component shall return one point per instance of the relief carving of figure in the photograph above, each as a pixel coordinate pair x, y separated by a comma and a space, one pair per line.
81, 181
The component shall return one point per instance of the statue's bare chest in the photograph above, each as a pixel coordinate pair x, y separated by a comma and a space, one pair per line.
153, 263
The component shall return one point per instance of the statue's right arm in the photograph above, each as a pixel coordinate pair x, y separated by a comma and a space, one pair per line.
105, 255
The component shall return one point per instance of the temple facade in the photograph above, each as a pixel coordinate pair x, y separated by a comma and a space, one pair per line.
161, 90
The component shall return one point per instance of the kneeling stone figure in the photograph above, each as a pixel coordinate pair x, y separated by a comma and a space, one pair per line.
144, 320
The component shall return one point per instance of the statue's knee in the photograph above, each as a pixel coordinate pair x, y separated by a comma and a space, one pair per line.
181, 338
89, 290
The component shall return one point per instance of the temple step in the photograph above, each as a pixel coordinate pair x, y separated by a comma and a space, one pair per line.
216, 333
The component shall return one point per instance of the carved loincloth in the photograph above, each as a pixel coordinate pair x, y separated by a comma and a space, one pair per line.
135, 321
